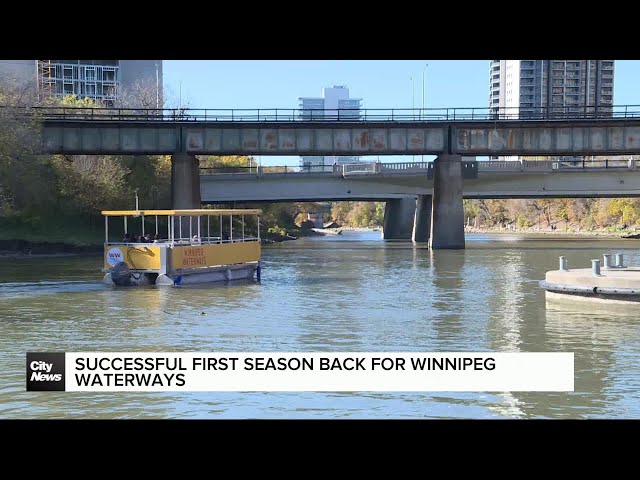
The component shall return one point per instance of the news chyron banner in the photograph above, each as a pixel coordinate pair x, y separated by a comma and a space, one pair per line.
300, 372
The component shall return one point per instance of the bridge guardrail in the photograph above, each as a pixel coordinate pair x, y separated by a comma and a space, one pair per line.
361, 168
321, 115
606, 163
265, 170
549, 165
491, 165
406, 166
375, 168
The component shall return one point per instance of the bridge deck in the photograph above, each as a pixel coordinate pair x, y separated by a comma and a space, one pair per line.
463, 131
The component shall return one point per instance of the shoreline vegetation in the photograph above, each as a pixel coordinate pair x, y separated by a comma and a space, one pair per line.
28, 249
533, 232
50, 204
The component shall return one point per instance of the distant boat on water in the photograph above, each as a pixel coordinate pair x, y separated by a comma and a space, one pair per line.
328, 231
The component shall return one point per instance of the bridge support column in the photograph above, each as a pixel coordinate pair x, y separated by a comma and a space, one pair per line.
447, 216
185, 182
398, 219
422, 219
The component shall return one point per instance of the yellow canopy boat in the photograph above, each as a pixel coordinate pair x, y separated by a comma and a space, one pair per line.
179, 247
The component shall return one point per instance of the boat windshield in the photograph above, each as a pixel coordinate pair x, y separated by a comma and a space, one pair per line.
183, 227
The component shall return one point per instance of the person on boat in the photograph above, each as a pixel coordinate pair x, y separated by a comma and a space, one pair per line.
147, 238
134, 238
127, 238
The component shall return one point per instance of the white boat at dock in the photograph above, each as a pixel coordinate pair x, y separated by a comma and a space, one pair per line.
328, 231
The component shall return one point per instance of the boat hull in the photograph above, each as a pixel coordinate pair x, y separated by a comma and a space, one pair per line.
225, 273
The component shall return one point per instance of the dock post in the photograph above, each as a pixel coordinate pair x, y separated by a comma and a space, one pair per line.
563, 264
595, 268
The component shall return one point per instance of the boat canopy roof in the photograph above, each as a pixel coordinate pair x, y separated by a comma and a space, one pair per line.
182, 213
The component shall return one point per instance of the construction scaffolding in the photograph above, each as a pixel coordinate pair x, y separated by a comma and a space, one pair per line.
86, 79
46, 83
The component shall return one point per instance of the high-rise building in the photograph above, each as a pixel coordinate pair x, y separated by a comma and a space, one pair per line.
103, 80
335, 104
535, 88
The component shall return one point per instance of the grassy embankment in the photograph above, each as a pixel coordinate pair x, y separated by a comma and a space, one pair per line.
69, 230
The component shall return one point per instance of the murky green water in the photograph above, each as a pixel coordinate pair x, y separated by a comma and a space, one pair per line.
348, 293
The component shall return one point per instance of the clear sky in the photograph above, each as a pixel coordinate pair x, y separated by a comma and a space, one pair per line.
380, 83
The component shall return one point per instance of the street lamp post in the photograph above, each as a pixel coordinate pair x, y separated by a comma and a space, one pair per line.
157, 88
413, 96
413, 106
424, 71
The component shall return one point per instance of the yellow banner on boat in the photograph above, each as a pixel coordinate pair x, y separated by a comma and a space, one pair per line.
138, 258
185, 257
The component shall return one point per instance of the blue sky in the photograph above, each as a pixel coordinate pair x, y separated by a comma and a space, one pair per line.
380, 83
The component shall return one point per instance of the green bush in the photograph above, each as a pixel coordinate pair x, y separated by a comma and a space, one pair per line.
276, 230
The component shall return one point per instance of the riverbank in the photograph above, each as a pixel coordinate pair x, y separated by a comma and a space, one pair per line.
557, 232
28, 249
362, 229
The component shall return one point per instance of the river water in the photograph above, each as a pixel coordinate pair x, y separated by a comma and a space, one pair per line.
346, 293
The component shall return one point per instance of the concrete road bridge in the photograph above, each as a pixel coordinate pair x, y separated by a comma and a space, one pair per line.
451, 134
407, 187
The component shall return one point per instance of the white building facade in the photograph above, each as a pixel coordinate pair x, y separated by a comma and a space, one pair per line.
334, 104
533, 88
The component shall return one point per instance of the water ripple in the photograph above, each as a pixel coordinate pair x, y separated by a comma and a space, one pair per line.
354, 293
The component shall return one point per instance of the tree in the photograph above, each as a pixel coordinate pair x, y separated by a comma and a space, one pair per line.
229, 163
24, 179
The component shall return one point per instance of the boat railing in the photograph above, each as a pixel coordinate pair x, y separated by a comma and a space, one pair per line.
186, 241
211, 240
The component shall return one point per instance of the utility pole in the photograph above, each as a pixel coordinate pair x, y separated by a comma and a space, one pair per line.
424, 70
413, 106
413, 97
157, 88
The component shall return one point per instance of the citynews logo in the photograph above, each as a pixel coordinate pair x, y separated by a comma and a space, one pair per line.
45, 372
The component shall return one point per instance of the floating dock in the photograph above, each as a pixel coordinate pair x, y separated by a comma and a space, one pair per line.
612, 283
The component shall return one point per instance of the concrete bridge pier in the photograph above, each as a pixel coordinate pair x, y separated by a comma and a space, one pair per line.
398, 219
422, 219
447, 216
185, 181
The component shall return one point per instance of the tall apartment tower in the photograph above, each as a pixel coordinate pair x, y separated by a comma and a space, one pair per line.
334, 103
102, 80
533, 87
